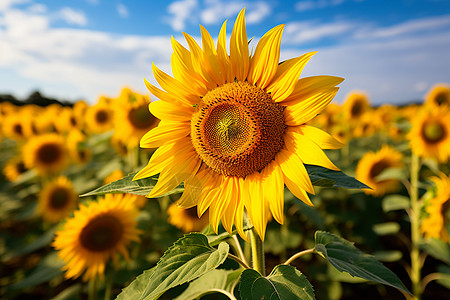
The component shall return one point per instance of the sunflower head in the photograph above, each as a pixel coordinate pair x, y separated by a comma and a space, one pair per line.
57, 199
438, 95
430, 133
233, 127
97, 233
355, 105
372, 164
14, 167
99, 117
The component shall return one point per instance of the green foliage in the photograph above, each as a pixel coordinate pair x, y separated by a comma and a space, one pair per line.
284, 282
321, 176
189, 258
437, 248
345, 257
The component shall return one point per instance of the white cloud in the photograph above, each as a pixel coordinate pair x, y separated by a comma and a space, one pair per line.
257, 12
122, 10
181, 12
7, 4
316, 4
302, 32
72, 17
37, 8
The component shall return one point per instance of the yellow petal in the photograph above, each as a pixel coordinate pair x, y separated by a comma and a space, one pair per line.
274, 186
222, 54
293, 168
169, 97
258, 206
162, 134
212, 65
308, 86
297, 191
217, 207
210, 191
264, 63
286, 77
239, 216
307, 150
165, 110
320, 137
230, 210
239, 54
304, 111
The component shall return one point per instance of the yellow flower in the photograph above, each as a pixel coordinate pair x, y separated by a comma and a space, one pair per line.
438, 95
76, 144
430, 133
132, 118
96, 233
47, 153
355, 105
233, 127
114, 176
373, 164
67, 120
187, 219
434, 225
99, 117
57, 199
14, 167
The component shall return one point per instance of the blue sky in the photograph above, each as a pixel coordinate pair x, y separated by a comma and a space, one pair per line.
80, 49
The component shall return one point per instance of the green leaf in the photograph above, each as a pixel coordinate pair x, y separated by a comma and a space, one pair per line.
40, 242
321, 176
443, 276
388, 255
345, 257
49, 268
189, 258
284, 282
128, 185
395, 202
437, 248
212, 282
386, 228
391, 174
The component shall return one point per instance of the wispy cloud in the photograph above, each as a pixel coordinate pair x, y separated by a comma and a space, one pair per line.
181, 12
72, 17
122, 10
306, 5
302, 32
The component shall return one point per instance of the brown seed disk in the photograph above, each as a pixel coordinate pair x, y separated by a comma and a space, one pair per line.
237, 129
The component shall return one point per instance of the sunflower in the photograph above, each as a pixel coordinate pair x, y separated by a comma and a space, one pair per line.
47, 153
438, 95
355, 105
99, 117
233, 124
76, 144
14, 167
187, 220
373, 164
14, 126
132, 118
430, 133
96, 233
57, 199
67, 120
435, 224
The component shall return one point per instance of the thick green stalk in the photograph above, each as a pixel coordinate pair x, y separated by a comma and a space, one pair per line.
258, 259
415, 229
92, 288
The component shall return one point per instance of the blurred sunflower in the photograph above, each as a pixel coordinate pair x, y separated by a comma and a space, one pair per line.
66, 120
435, 224
187, 220
438, 95
99, 118
355, 105
430, 133
57, 199
97, 233
132, 118
47, 153
14, 126
373, 164
233, 127
76, 144
367, 125
14, 167
79, 110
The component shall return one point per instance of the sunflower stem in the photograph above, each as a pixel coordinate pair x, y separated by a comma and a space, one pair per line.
109, 285
415, 230
92, 288
257, 246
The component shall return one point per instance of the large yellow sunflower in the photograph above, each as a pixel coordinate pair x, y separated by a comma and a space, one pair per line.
57, 199
187, 219
96, 233
438, 95
434, 225
373, 164
233, 127
430, 133
47, 153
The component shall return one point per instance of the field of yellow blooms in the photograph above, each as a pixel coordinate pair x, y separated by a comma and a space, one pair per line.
55, 244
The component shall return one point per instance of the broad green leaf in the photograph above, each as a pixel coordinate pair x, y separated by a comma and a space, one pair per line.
214, 239
321, 176
395, 202
37, 244
189, 258
444, 276
345, 257
388, 255
49, 268
127, 185
437, 248
284, 282
215, 281
386, 228
391, 174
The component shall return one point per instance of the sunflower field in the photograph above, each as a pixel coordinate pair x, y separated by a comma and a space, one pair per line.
233, 180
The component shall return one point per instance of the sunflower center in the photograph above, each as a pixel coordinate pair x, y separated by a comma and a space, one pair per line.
140, 117
192, 212
433, 132
18, 129
101, 233
357, 109
21, 167
377, 168
442, 98
102, 116
237, 129
49, 153
59, 197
